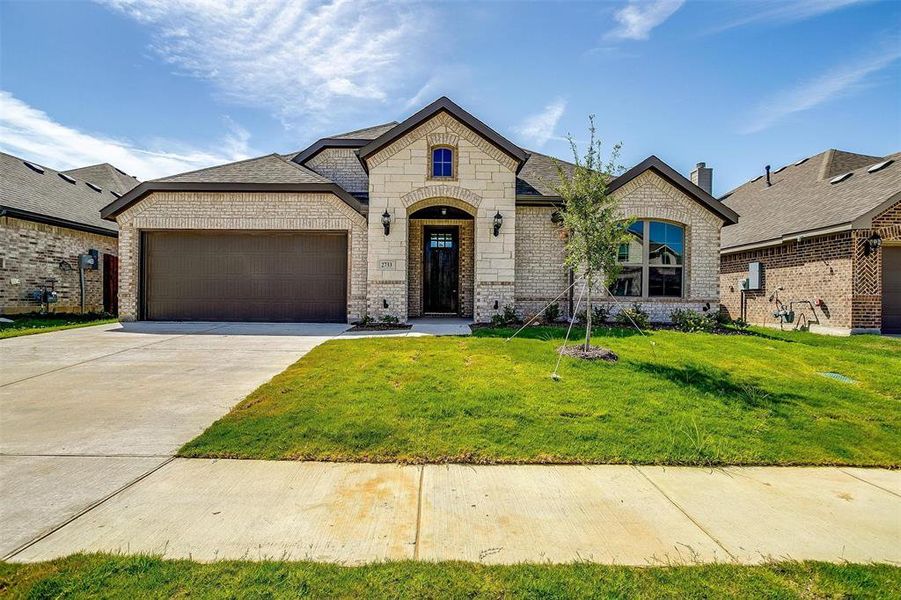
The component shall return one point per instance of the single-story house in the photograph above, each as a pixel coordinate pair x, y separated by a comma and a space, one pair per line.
818, 245
48, 220
436, 215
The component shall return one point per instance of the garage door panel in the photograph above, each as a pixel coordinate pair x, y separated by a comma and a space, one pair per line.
245, 276
891, 289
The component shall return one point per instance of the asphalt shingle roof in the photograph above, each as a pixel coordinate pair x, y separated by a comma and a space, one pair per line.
271, 168
105, 176
801, 197
367, 133
538, 176
48, 194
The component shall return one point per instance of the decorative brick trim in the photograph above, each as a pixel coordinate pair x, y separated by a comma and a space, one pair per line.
438, 194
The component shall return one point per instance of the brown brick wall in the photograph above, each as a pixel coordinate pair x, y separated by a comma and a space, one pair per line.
414, 296
867, 292
30, 255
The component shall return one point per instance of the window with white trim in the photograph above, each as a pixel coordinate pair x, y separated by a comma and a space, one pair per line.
652, 261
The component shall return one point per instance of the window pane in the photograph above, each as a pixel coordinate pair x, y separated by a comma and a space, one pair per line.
665, 281
442, 162
666, 244
631, 252
628, 282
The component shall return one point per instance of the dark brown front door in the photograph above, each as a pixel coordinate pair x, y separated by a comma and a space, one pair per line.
245, 276
891, 289
440, 270
111, 284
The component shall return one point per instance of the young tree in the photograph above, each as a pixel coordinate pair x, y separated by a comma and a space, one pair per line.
591, 222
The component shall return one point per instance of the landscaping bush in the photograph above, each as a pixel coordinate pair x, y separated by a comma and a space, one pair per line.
600, 315
552, 313
505, 318
390, 320
690, 321
636, 315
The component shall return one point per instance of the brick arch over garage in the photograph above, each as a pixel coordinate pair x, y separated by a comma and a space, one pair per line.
447, 195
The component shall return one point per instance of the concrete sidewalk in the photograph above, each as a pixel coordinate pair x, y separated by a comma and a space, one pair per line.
355, 513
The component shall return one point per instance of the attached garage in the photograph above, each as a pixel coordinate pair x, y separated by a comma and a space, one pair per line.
263, 276
891, 289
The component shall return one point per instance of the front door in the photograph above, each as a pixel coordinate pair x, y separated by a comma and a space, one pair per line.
440, 270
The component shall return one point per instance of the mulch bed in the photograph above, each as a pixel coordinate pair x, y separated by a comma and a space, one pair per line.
593, 353
381, 327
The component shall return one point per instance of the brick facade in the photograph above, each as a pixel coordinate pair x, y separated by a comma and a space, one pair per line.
540, 274
31, 255
829, 281
240, 211
342, 166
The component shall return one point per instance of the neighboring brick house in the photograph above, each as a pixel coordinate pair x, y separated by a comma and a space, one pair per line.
437, 215
48, 219
826, 232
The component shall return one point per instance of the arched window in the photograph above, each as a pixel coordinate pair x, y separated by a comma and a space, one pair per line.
442, 162
652, 262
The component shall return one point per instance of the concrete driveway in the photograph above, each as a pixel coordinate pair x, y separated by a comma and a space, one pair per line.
85, 412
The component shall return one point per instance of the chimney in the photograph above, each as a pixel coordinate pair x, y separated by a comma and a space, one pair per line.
702, 176
768, 182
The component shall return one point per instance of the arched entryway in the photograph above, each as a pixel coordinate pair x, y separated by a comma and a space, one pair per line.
441, 249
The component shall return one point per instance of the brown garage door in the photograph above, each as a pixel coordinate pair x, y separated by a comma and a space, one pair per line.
245, 276
891, 289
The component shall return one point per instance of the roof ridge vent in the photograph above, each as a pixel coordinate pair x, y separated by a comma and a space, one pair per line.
879, 166
33, 167
840, 178
96, 188
66, 177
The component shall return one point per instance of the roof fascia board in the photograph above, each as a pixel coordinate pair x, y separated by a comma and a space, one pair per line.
6, 211
729, 216
110, 211
321, 144
446, 105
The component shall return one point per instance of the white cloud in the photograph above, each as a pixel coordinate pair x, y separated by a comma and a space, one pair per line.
31, 133
297, 58
539, 128
782, 12
638, 18
843, 79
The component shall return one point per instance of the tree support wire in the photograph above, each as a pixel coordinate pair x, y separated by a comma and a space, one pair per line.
572, 319
540, 312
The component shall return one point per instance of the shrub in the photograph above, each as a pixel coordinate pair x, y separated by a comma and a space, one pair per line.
552, 312
510, 314
636, 315
366, 320
740, 324
390, 319
600, 315
690, 321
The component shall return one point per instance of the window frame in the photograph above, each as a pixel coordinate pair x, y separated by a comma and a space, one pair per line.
646, 265
453, 162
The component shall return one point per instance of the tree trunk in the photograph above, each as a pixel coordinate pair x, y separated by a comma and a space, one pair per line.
588, 313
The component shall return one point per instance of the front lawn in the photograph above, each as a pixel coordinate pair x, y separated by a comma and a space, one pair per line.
35, 323
673, 398
104, 576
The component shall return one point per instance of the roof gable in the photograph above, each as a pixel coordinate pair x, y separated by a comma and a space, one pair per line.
106, 176
440, 105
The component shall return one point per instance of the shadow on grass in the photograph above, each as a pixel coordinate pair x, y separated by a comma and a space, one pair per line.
717, 382
555, 332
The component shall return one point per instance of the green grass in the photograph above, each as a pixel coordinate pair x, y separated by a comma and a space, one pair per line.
103, 576
34, 323
673, 398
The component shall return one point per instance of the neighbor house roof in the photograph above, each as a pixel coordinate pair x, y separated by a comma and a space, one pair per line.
269, 173
106, 176
39, 193
810, 196
443, 104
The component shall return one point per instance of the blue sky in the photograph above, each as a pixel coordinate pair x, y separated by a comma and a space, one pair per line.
158, 87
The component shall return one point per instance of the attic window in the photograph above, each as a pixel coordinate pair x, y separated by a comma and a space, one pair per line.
879, 166
33, 167
801, 162
92, 186
841, 178
66, 177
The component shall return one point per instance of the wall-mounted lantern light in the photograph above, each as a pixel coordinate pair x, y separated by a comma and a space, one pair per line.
384, 303
386, 222
498, 221
872, 244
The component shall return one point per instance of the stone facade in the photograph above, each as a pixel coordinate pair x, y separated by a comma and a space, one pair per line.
400, 181
240, 211
414, 285
31, 255
829, 281
342, 166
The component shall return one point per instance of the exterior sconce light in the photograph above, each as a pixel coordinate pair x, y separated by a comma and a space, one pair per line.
384, 303
872, 244
386, 222
498, 221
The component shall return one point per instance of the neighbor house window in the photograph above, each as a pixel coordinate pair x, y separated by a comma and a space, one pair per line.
652, 261
442, 162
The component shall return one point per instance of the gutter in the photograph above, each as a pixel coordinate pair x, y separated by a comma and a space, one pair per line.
6, 211
792, 237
